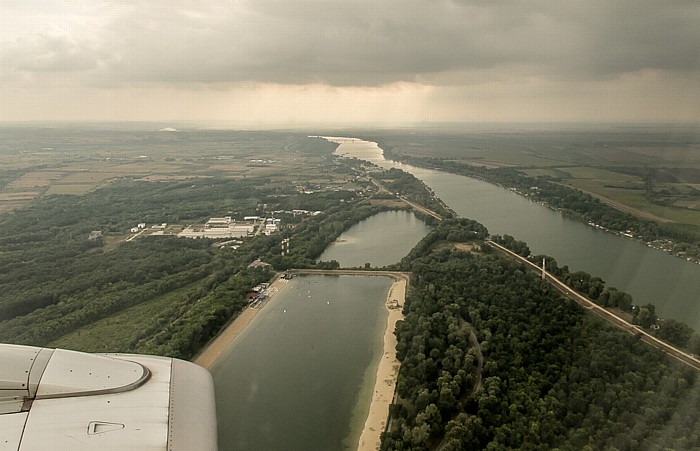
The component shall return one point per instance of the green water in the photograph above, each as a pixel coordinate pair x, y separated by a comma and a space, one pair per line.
380, 240
293, 379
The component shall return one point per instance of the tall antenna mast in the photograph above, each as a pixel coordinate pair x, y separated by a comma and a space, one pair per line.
544, 272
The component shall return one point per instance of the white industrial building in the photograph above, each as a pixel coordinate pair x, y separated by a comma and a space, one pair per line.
218, 223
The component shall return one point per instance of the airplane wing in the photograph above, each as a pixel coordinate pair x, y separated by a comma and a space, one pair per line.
66, 400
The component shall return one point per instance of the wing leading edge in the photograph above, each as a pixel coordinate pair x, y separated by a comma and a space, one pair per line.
66, 400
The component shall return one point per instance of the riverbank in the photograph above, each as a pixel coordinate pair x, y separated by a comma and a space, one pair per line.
218, 345
387, 372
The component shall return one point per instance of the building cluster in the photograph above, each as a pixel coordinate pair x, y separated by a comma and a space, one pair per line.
141, 226
272, 225
225, 227
259, 294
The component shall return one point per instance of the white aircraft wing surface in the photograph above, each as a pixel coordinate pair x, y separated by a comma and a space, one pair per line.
66, 400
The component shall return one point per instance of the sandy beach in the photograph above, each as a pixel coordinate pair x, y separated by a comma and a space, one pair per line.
385, 381
222, 341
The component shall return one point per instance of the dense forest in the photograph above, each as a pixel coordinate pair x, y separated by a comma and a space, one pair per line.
538, 373
594, 288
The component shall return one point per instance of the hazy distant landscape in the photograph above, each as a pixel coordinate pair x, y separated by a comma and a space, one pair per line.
202, 180
61, 184
653, 169
650, 169
75, 274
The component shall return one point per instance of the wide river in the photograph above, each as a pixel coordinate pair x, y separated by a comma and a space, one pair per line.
649, 275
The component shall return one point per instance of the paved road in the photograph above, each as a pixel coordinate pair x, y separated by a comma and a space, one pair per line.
649, 339
421, 209
413, 205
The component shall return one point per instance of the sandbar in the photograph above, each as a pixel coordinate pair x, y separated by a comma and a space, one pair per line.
387, 372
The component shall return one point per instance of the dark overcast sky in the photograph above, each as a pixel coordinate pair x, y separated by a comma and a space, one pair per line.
304, 62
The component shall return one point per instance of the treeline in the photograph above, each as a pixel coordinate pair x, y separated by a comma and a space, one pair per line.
42, 306
398, 181
572, 202
184, 327
553, 377
125, 203
673, 331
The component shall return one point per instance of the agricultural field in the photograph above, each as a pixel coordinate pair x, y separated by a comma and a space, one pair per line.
651, 171
75, 161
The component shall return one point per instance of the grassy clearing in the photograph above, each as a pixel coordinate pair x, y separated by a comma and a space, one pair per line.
37, 179
10, 201
691, 203
168, 178
526, 158
27, 195
602, 175
144, 167
115, 333
468, 247
636, 199
548, 172
679, 156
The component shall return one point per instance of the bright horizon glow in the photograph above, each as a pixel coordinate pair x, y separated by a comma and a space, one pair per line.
251, 64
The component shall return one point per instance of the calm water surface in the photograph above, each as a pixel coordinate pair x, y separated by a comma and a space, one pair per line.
300, 376
379, 240
649, 275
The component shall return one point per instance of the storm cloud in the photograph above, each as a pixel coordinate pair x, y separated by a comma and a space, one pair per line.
365, 43
346, 44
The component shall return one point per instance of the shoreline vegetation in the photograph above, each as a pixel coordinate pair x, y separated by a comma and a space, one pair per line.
387, 370
211, 352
